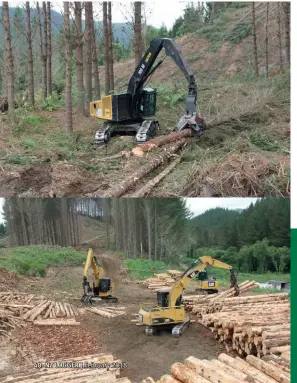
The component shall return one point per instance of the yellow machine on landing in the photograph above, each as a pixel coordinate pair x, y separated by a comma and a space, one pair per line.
169, 311
102, 287
205, 285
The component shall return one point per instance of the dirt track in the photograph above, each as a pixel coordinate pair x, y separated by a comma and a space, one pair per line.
145, 356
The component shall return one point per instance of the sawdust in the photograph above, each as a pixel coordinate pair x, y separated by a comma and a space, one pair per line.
10, 280
54, 342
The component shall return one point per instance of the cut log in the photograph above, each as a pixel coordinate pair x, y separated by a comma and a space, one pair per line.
139, 151
30, 312
224, 367
279, 350
146, 189
246, 368
286, 356
168, 379
276, 334
152, 164
56, 322
148, 380
185, 374
212, 373
268, 343
268, 369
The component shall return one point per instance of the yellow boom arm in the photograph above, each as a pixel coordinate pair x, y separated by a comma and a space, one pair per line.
91, 261
182, 283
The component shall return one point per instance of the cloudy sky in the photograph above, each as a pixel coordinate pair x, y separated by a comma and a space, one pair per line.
199, 205
156, 13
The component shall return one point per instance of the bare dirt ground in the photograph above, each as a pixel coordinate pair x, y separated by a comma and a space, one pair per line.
145, 356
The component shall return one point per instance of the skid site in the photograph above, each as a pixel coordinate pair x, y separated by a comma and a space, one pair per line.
242, 334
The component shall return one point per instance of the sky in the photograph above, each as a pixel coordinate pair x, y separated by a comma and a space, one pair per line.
198, 205
156, 13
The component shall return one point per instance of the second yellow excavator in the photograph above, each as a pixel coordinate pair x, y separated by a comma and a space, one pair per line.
169, 311
102, 288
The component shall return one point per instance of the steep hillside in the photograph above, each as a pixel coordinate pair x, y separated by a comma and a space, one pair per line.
244, 151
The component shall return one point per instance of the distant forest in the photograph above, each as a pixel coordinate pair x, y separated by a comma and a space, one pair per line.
255, 239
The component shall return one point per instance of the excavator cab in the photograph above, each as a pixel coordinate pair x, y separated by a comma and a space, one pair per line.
163, 298
202, 275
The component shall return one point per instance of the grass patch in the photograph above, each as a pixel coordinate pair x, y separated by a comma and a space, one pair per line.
29, 144
239, 32
143, 268
35, 120
17, 159
258, 290
34, 260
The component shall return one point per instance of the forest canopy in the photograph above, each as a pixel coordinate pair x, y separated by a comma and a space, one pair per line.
256, 239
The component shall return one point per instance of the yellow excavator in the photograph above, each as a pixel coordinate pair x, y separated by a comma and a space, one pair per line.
206, 285
169, 313
102, 289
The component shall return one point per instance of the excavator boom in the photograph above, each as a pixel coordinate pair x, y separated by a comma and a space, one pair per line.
182, 283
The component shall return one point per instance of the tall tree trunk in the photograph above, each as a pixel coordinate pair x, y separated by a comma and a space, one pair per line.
279, 36
45, 43
42, 55
88, 39
137, 32
213, 12
49, 49
256, 64
79, 58
9, 60
68, 101
106, 50
287, 12
30, 57
110, 47
266, 40
95, 58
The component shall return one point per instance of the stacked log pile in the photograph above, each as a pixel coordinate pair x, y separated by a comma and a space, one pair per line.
16, 309
106, 370
204, 301
251, 325
225, 369
108, 311
160, 281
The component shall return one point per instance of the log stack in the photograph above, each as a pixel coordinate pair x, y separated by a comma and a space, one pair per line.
160, 281
174, 273
107, 372
17, 309
252, 325
225, 369
204, 301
